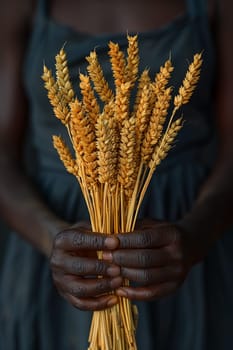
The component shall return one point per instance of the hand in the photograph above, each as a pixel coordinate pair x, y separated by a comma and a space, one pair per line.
76, 268
157, 258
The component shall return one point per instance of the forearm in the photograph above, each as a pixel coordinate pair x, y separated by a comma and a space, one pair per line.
212, 213
24, 211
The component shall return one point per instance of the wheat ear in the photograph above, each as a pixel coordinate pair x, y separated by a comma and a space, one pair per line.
132, 59
122, 102
109, 109
89, 100
162, 77
165, 144
142, 114
189, 83
65, 155
55, 96
107, 149
156, 123
83, 138
160, 152
144, 80
127, 163
96, 74
76, 109
63, 78
118, 63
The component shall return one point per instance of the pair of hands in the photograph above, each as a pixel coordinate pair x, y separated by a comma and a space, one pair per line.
156, 258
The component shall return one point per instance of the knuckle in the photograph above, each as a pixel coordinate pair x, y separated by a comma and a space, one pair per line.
78, 239
145, 276
125, 241
98, 241
144, 259
101, 287
78, 267
145, 239
81, 240
119, 258
100, 267
59, 239
79, 291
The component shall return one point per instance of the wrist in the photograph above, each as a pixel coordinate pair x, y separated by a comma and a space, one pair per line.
201, 227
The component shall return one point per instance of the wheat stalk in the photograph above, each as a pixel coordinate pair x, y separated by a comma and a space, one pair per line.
117, 152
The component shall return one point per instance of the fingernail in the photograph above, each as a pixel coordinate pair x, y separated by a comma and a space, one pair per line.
112, 301
111, 242
107, 255
113, 271
116, 282
121, 293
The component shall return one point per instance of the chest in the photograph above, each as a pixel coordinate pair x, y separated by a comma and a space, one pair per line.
99, 16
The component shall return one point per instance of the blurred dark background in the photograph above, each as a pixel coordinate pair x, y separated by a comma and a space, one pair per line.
3, 239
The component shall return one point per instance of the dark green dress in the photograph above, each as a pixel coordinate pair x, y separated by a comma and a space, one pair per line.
200, 315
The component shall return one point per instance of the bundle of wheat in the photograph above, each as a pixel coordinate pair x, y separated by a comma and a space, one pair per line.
116, 152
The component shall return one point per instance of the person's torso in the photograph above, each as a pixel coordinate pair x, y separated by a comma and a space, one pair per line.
181, 38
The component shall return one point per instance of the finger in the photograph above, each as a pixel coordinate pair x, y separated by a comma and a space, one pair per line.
81, 266
159, 236
83, 288
141, 258
152, 276
92, 304
146, 294
148, 223
75, 240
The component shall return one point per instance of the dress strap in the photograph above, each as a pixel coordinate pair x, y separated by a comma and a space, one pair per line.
197, 8
42, 8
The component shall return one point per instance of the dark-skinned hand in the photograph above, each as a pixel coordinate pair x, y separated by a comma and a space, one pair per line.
76, 268
156, 258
